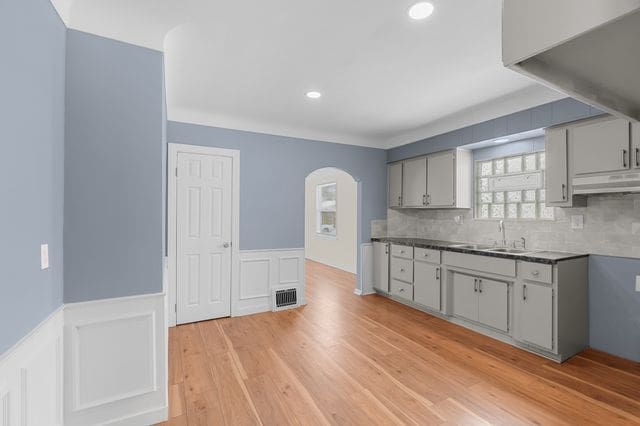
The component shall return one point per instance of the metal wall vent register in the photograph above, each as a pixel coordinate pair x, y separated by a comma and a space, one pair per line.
285, 299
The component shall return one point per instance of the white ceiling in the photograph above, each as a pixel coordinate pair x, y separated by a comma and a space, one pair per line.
385, 79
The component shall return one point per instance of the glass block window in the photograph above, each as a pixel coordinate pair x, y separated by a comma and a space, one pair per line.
326, 209
515, 197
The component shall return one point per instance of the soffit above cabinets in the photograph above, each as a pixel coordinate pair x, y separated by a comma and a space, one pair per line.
594, 56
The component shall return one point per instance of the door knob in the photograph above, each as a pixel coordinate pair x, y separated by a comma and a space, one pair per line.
226, 245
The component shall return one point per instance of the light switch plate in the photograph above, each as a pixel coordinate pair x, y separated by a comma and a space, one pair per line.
638, 283
44, 256
577, 221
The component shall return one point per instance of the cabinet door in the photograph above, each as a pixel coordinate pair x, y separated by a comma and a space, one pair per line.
493, 303
381, 266
426, 284
465, 297
395, 185
535, 314
602, 146
441, 180
414, 179
556, 165
635, 145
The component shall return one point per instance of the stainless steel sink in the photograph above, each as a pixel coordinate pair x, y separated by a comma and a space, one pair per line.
510, 250
472, 246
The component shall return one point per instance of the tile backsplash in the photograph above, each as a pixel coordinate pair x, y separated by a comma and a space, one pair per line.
611, 227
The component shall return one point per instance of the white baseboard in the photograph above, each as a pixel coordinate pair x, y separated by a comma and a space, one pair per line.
31, 376
115, 360
262, 271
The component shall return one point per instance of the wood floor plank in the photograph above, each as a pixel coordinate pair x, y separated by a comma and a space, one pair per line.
344, 359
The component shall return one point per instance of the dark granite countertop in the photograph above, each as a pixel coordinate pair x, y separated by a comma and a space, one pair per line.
538, 256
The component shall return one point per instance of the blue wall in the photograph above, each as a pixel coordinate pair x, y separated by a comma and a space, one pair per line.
32, 80
542, 116
113, 169
272, 173
614, 306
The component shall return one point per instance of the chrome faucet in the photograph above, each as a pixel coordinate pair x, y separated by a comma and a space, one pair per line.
504, 233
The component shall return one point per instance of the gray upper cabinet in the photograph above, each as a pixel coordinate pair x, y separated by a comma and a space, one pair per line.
535, 313
395, 185
441, 183
600, 146
414, 179
426, 284
440, 180
381, 266
557, 174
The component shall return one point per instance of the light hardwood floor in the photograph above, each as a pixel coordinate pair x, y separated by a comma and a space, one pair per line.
344, 359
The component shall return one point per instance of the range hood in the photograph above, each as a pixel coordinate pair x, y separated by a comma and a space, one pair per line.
619, 182
589, 50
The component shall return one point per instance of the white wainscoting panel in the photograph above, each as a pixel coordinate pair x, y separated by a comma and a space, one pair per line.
262, 271
31, 377
115, 361
366, 269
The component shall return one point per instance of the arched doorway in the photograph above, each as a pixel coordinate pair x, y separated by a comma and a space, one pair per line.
331, 218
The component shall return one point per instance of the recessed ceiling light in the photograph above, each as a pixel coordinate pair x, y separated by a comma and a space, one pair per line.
314, 95
421, 10
503, 140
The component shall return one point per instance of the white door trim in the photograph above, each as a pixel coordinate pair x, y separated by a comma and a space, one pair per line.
174, 149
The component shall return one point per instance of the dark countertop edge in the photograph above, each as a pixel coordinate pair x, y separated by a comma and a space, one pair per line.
446, 246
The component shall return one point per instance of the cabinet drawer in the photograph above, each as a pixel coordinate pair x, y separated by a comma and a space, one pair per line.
402, 251
403, 290
402, 269
536, 272
427, 255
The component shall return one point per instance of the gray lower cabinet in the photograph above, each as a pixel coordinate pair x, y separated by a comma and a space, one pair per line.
402, 289
534, 307
493, 303
381, 266
426, 284
481, 300
465, 296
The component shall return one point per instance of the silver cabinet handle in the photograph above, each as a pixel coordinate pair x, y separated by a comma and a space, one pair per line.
401, 290
399, 200
386, 249
524, 292
624, 158
564, 195
401, 251
637, 157
401, 269
226, 245
437, 273
475, 285
428, 199
424, 200
480, 286
535, 273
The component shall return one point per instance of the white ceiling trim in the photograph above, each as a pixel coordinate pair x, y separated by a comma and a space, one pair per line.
191, 116
529, 97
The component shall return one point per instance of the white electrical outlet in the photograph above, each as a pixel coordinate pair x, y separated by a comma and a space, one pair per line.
577, 221
638, 283
458, 219
44, 256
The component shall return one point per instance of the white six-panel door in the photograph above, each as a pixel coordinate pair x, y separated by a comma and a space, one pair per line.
204, 230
